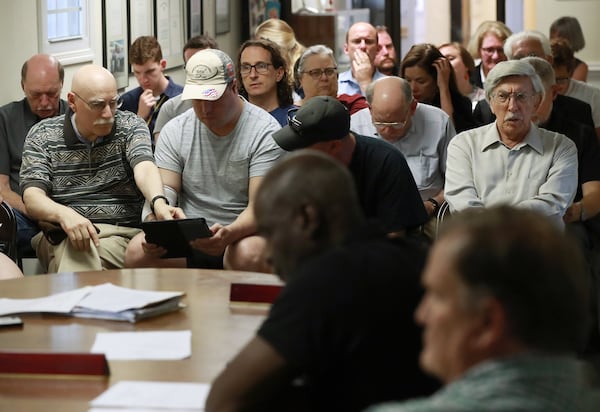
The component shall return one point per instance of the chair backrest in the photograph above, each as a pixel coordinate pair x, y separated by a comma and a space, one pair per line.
442, 213
8, 231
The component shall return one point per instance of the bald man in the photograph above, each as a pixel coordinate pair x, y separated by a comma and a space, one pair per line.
42, 81
362, 48
420, 131
85, 176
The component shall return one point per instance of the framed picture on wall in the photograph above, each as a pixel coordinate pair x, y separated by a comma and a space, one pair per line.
115, 40
141, 19
170, 30
222, 24
194, 14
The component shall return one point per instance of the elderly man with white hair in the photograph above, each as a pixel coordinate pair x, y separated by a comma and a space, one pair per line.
512, 161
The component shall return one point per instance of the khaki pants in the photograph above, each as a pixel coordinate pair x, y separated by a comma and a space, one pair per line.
65, 258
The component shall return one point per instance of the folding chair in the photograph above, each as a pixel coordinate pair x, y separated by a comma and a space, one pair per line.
443, 212
8, 232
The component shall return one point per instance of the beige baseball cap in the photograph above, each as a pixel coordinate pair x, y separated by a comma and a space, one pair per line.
208, 72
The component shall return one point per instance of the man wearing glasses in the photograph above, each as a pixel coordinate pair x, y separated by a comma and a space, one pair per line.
385, 185
41, 80
85, 176
420, 131
263, 78
512, 161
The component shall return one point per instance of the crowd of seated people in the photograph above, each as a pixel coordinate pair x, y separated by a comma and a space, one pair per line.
504, 131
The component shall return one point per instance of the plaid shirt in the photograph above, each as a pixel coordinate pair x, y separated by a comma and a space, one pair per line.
532, 383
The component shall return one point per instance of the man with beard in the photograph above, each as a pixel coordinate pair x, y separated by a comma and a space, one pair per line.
386, 60
355, 342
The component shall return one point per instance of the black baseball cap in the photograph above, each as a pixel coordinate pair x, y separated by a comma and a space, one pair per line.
320, 119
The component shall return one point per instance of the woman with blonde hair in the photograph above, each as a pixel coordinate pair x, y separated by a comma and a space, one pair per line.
487, 43
282, 34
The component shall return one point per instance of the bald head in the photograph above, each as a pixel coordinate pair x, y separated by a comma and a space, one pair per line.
94, 100
92, 79
390, 88
42, 80
361, 37
392, 106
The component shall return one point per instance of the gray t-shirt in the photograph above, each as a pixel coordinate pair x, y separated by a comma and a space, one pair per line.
169, 110
215, 170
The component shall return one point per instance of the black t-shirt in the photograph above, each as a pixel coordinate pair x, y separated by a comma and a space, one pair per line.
345, 322
385, 185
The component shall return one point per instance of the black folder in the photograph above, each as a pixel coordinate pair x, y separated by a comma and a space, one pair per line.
175, 235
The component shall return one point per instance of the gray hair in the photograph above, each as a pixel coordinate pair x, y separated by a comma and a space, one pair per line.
512, 68
543, 69
318, 49
405, 87
527, 35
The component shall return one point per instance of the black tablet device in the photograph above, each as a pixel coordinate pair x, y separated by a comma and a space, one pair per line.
175, 235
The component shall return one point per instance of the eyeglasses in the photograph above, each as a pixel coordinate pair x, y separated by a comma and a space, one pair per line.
393, 125
99, 105
317, 73
491, 50
562, 80
260, 67
518, 97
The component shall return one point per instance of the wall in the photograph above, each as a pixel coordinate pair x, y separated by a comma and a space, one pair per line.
13, 14
587, 12
19, 22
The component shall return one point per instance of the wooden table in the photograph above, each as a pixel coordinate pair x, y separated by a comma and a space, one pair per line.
219, 330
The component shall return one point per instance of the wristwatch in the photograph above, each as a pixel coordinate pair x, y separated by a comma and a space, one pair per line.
436, 204
155, 198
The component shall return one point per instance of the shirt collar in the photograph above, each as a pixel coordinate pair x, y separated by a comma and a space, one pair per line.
533, 139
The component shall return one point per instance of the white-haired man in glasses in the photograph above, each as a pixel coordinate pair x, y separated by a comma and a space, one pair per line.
512, 161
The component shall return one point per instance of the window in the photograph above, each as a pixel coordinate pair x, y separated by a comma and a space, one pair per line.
64, 20
65, 30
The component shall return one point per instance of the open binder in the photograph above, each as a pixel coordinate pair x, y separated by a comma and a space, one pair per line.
106, 301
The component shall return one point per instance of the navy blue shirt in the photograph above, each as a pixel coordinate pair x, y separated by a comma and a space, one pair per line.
131, 101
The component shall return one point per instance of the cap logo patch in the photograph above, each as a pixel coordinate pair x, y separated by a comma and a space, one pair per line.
204, 72
210, 93
229, 70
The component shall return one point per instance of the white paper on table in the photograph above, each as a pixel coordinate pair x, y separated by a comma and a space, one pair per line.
112, 298
146, 396
159, 345
59, 303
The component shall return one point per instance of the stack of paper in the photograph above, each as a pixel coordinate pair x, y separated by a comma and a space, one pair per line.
105, 301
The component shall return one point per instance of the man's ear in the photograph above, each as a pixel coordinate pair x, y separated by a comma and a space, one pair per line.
71, 101
493, 328
554, 91
413, 106
308, 219
536, 105
163, 63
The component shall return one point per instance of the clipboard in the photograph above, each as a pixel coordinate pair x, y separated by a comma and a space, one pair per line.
175, 235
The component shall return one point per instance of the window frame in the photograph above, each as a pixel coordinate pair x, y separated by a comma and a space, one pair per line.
69, 50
